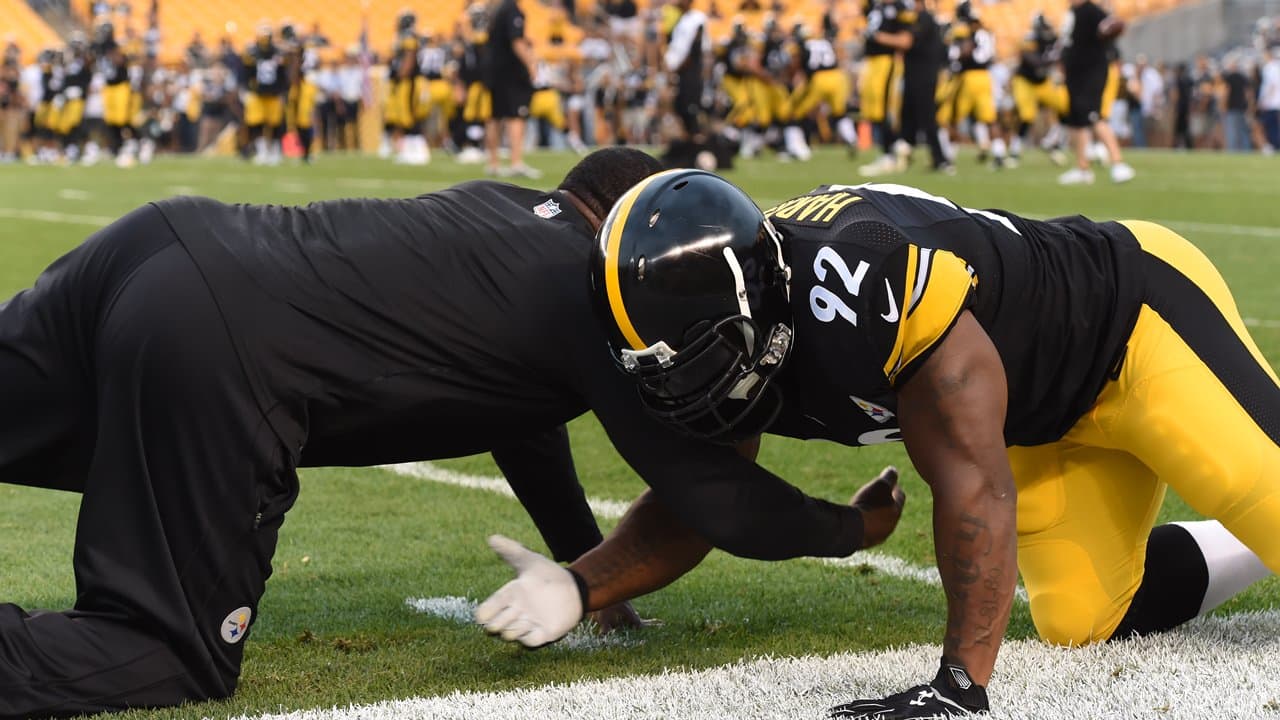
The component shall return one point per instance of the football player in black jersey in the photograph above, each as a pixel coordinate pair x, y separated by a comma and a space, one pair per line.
1063, 373
179, 366
1032, 87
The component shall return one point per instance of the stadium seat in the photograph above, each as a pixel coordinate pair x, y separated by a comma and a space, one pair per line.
30, 30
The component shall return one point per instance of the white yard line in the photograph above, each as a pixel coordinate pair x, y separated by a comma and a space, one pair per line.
56, 217
1213, 668
613, 509
1256, 322
610, 509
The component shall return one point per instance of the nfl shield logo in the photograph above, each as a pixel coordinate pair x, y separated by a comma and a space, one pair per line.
547, 210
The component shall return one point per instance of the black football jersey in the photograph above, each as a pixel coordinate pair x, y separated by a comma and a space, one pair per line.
264, 66
880, 273
387, 330
1036, 57
818, 54
893, 16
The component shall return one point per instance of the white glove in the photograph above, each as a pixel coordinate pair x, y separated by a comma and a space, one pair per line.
541, 605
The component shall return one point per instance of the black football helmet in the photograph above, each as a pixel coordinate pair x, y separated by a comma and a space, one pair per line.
689, 279
966, 12
406, 21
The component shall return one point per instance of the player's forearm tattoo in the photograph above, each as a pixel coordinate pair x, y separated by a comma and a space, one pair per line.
976, 578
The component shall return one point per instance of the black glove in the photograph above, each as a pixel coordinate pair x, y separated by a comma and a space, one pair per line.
951, 694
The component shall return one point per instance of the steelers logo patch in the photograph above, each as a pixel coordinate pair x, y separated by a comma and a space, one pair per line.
236, 625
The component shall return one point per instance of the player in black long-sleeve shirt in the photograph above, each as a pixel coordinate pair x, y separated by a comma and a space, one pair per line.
180, 365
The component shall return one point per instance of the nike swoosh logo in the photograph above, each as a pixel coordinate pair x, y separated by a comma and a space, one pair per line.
892, 315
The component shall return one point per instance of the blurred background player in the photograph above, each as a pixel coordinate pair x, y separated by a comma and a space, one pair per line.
77, 69
922, 63
13, 105
824, 83
117, 93
264, 104
887, 36
972, 49
687, 44
1086, 62
437, 104
477, 106
403, 113
509, 77
1034, 90
554, 78
302, 60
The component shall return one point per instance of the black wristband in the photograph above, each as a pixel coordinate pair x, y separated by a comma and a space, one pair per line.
582, 589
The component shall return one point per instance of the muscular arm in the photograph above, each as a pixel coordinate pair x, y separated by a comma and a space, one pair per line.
897, 40
649, 550
952, 412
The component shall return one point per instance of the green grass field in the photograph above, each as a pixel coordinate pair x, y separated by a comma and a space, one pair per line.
334, 627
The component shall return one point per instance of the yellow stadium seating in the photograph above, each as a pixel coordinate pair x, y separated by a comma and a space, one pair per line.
341, 20
28, 29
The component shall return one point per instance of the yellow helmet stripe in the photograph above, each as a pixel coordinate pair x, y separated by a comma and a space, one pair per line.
613, 272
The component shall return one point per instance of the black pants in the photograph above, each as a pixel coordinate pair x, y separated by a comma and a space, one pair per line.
919, 111
688, 107
140, 405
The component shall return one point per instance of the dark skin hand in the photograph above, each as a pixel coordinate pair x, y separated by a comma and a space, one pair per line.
651, 548
952, 413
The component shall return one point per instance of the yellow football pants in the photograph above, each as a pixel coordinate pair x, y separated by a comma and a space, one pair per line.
1110, 91
1184, 411
265, 110
1029, 97
115, 104
436, 95
970, 95
740, 109
545, 105
302, 105
829, 86
877, 87
479, 105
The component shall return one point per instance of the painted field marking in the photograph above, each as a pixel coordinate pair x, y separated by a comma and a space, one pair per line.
614, 509
1217, 667
56, 217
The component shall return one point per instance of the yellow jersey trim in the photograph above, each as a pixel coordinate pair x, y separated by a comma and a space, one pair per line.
613, 272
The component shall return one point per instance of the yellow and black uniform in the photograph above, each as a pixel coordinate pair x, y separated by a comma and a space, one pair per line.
268, 85
824, 81
732, 54
477, 106
435, 91
300, 107
970, 92
776, 54
114, 67
1111, 88
402, 105
550, 75
1032, 88
46, 115
1128, 369
881, 65
77, 75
